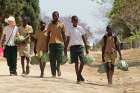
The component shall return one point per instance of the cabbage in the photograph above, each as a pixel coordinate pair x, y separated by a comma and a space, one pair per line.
19, 39
122, 65
88, 59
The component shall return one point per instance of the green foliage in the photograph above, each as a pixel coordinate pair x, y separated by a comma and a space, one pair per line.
118, 5
19, 8
127, 11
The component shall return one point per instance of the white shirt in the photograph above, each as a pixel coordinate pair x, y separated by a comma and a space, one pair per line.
10, 33
75, 35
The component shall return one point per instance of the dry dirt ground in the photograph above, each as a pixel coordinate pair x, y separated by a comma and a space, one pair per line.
124, 82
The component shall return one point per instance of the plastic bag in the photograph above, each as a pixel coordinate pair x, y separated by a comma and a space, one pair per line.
64, 60
45, 57
35, 60
1, 52
122, 65
102, 68
88, 59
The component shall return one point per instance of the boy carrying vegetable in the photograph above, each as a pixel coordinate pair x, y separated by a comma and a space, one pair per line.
40, 46
109, 52
76, 40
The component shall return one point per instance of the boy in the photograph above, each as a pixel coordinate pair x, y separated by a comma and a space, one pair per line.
56, 41
76, 40
40, 46
24, 48
109, 52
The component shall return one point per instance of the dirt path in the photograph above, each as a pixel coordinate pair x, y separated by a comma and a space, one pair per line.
124, 82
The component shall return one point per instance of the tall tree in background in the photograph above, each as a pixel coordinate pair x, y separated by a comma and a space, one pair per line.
32, 11
126, 13
20, 8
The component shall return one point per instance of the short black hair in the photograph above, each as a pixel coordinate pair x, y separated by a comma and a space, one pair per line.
108, 27
74, 17
41, 22
55, 12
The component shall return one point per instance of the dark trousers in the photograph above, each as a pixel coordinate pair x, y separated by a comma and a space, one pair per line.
56, 53
11, 56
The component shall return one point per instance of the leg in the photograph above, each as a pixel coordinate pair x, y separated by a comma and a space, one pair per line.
74, 59
27, 66
53, 67
42, 69
58, 68
77, 71
22, 64
109, 72
40, 65
14, 59
9, 59
81, 57
59, 57
59, 60
112, 71
80, 71
52, 56
9, 64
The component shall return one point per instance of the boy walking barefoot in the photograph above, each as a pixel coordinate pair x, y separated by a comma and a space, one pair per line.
109, 52
24, 48
40, 46
76, 40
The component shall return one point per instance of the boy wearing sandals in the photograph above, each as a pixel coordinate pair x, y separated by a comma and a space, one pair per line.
76, 40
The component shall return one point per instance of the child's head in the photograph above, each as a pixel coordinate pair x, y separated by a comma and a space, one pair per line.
109, 30
25, 21
55, 16
74, 20
42, 25
11, 21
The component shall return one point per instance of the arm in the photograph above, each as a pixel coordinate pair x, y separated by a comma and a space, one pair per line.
35, 42
47, 41
117, 44
103, 49
103, 41
85, 43
119, 51
3, 38
66, 45
64, 38
34, 39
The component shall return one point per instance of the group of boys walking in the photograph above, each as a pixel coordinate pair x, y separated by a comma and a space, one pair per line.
56, 40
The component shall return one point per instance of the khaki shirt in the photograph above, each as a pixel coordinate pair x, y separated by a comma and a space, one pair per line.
110, 44
56, 32
41, 41
24, 49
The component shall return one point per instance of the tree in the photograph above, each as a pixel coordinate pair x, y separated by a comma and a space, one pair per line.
128, 11
20, 8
